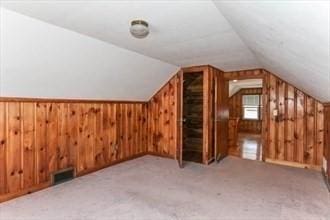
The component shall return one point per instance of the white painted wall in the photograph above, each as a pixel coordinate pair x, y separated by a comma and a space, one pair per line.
46, 61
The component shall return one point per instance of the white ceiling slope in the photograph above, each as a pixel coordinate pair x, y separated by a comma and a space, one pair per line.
45, 61
289, 38
182, 33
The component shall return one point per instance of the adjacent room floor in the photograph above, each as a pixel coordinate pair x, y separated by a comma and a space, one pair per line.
249, 146
155, 188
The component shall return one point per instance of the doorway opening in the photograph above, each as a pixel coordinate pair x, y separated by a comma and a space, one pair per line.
245, 118
193, 117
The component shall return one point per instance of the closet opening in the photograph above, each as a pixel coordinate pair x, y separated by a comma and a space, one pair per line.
192, 117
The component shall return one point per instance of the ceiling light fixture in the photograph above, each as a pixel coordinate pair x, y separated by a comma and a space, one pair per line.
139, 28
235, 80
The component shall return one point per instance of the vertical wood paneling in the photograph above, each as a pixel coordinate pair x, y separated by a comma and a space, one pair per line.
320, 124
206, 116
113, 132
309, 157
52, 135
73, 133
162, 120
280, 120
39, 138
63, 144
28, 147
300, 127
295, 134
89, 136
3, 149
41, 142
265, 114
99, 149
326, 153
272, 119
14, 151
290, 121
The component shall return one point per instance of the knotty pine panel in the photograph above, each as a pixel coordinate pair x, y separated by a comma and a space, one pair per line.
326, 153
42, 137
14, 149
295, 134
162, 120
27, 112
3, 149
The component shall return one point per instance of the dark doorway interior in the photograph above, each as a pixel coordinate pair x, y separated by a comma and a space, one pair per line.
193, 117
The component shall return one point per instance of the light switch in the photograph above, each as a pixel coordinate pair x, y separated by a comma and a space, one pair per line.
275, 112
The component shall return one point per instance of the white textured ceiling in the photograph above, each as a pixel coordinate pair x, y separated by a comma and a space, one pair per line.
182, 33
235, 86
289, 38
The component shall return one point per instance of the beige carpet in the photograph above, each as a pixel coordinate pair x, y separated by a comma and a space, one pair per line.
155, 188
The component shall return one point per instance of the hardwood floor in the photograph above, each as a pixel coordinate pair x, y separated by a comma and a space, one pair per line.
248, 147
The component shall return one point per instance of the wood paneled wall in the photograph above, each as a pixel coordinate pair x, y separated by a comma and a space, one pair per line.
295, 135
326, 153
236, 111
39, 138
163, 119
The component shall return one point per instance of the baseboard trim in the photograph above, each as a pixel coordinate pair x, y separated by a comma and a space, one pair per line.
10, 196
23, 192
293, 164
161, 155
84, 172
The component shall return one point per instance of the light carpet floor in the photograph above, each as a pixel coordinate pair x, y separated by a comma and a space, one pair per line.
155, 188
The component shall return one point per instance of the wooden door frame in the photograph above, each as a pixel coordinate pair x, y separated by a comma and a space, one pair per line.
255, 74
219, 81
178, 112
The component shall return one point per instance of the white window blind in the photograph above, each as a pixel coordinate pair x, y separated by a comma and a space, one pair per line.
251, 100
251, 106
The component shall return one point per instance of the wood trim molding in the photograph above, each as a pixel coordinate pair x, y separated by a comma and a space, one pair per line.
293, 164
111, 164
47, 184
36, 188
54, 100
199, 68
160, 155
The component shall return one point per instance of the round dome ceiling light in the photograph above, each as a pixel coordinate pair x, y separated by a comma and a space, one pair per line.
139, 28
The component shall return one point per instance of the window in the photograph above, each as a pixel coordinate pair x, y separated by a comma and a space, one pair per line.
251, 107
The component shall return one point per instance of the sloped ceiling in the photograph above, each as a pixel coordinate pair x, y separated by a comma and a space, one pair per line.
182, 33
289, 38
40, 60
